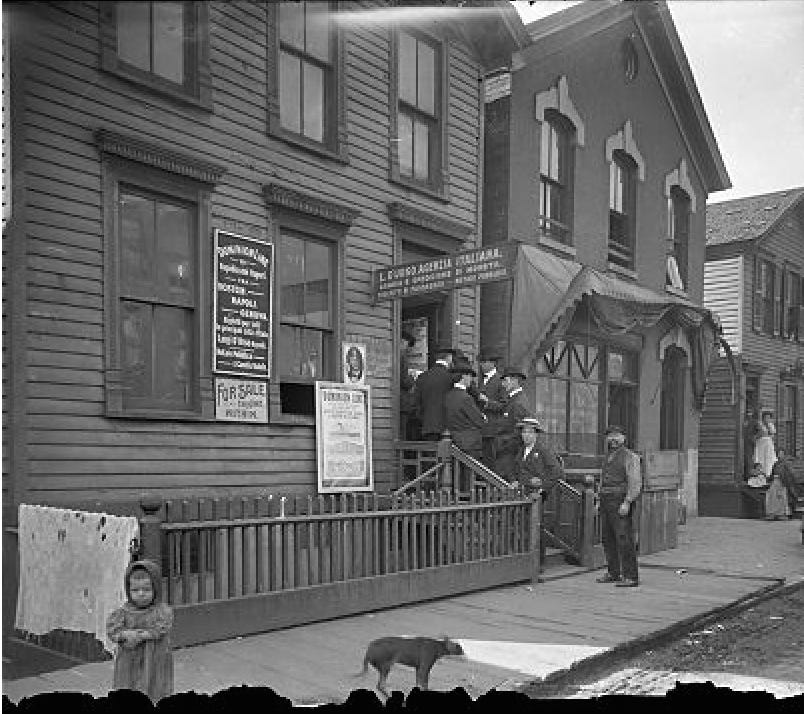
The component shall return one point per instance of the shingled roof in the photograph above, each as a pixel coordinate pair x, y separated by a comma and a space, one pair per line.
747, 218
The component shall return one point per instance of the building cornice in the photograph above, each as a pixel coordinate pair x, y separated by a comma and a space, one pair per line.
293, 200
421, 219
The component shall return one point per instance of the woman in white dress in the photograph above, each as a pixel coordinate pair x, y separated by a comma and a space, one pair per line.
765, 451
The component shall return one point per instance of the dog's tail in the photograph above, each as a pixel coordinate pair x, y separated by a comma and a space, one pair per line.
362, 673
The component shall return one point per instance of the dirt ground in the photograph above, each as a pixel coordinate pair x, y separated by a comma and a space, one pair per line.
765, 640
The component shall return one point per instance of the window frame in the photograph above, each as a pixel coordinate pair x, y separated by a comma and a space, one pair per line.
119, 172
765, 303
560, 125
335, 142
627, 167
788, 427
197, 87
438, 185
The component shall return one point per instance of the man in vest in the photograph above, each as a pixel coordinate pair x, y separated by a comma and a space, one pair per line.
492, 397
620, 485
509, 440
430, 390
463, 418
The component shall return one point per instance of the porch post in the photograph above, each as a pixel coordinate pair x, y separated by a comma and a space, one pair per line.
150, 532
444, 455
588, 522
535, 534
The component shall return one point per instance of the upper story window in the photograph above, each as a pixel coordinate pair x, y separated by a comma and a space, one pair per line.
678, 209
163, 45
555, 177
305, 91
622, 210
416, 152
792, 306
764, 290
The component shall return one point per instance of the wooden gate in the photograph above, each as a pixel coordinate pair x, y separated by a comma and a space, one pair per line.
239, 566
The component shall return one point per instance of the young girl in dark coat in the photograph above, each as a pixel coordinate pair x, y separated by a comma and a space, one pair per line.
141, 629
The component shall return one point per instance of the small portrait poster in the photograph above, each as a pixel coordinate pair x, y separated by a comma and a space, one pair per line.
343, 437
353, 359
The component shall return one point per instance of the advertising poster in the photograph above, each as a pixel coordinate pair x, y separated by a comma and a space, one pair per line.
353, 359
241, 400
242, 305
418, 355
343, 437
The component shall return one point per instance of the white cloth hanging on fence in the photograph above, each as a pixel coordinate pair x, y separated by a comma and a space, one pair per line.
72, 565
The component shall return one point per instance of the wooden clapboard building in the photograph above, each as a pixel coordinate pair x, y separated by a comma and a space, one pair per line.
325, 140
754, 282
599, 162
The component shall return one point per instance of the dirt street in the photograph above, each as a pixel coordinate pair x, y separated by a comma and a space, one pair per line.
765, 640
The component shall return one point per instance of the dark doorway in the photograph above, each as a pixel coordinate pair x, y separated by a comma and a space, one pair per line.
671, 427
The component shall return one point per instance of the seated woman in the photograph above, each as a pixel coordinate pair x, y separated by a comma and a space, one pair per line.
756, 477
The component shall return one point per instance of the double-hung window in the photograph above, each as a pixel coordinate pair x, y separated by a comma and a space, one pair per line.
555, 178
307, 318
764, 302
679, 229
792, 305
163, 45
622, 210
417, 148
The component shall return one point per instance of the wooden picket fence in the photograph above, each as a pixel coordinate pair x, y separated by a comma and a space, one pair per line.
236, 566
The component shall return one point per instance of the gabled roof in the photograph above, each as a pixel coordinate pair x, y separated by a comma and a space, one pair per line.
745, 219
669, 60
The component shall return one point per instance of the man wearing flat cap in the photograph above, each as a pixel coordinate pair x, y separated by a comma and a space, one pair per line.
492, 397
509, 440
431, 390
464, 419
620, 485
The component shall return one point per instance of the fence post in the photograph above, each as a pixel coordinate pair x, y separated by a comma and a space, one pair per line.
535, 534
588, 522
150, 531
444, 454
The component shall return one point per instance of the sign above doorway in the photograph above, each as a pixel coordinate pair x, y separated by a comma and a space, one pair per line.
445, 272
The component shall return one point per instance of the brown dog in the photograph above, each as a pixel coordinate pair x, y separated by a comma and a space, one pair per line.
421, 653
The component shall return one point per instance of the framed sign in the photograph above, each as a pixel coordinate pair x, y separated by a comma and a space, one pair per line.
353, 359
343, 437
242, 305
241, 400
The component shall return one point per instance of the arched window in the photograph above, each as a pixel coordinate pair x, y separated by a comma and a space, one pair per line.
671, 420
622, 209
678, 209
555, 177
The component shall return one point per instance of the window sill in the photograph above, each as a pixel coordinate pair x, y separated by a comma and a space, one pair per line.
568, 250
158, 415
437, 194
340, 155
626, 273
678, 292
154, 86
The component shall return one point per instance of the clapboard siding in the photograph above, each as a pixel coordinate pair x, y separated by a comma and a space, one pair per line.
723, 296
73, 449
717, 457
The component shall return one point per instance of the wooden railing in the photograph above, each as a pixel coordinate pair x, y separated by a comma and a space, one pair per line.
308, 558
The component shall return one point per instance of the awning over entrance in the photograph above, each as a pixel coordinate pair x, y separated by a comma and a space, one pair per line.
547, 290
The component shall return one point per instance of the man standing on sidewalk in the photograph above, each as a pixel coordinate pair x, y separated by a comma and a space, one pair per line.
620, 485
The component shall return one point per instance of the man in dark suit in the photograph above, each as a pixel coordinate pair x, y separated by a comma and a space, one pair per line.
492, 398
509, 441
464, 419
537, 465
430, 391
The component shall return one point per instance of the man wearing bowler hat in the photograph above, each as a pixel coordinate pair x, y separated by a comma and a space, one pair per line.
509, 441
620, 485
430, 390
464, 419
492, 397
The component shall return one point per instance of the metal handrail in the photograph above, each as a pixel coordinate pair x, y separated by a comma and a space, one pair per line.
479, 468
